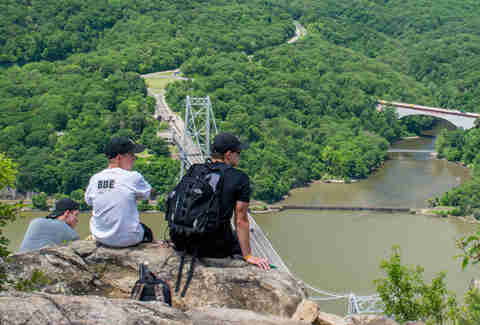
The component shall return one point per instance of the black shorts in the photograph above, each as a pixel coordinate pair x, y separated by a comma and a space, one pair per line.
220, 245
147, 235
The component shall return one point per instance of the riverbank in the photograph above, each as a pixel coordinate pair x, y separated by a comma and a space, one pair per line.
447, 212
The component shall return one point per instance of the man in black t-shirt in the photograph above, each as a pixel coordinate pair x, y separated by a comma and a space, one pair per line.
226, 149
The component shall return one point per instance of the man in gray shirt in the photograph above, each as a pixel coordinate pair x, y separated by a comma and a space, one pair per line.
56, 228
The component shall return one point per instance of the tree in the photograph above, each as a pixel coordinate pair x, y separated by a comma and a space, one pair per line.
470, 246
471, 312
476, 123
408, 298
39, 201
8, 212
79, 196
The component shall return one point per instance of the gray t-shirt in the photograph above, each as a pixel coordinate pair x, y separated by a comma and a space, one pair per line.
43, 232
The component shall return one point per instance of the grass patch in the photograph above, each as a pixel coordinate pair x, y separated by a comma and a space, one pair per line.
158, 84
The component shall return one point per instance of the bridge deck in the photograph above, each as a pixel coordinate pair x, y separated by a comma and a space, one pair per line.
429, 109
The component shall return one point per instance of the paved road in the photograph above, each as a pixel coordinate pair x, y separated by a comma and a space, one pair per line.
176, 127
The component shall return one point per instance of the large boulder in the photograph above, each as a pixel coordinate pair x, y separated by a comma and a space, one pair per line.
41, 309
82, 268
308, 311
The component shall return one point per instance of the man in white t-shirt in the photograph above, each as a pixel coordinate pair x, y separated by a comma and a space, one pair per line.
113, 193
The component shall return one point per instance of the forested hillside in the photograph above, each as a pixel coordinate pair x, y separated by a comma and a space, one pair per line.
70, 80
435, 42
70, 77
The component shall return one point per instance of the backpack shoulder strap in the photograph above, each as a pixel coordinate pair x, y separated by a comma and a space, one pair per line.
180, 270
221, 168
137, 290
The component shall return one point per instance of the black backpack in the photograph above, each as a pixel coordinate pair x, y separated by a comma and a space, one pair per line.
193, 212
150, 288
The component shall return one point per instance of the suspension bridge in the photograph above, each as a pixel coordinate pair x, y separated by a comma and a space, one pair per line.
192, 139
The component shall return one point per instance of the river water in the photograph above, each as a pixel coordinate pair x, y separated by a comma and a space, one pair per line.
340, 251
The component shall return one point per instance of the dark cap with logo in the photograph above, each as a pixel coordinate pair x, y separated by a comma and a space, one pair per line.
227, 141
122, 145
61, 206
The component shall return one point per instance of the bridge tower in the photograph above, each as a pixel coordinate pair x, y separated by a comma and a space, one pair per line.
200, 126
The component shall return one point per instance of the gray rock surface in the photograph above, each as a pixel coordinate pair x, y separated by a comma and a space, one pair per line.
82, 268
371, 320
217, 316
18, 308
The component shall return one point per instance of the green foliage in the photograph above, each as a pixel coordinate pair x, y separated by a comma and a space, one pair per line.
160, 172
8, 212
470, 246
158, 32
39, 201
442, 213
144, 205
79, 196
60, 196
8, 171
462, 146
306, 111
476, 214
457, 212
470, 314
408, 298
466, 197
161, 203
69, 82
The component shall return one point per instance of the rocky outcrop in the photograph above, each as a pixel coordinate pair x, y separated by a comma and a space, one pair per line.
307, 311
83, 269
82, 283
39, 308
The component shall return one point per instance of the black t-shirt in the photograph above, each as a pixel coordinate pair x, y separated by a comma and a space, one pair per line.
224, 242
236, 187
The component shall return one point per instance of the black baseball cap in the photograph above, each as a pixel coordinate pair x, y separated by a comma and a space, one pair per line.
122, 145
227, 141
63, 205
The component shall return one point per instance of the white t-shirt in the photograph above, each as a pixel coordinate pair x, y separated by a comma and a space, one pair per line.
113, 193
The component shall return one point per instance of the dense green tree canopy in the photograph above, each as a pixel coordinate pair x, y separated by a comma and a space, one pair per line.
69, 80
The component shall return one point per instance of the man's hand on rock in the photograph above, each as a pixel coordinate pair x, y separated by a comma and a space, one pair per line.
260, 262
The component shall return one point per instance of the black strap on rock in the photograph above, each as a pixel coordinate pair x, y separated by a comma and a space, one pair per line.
180, 269
190, 275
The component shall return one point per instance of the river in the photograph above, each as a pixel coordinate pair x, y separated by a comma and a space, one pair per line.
340, 251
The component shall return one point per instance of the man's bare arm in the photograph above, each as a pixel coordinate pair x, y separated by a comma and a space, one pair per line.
242, 226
